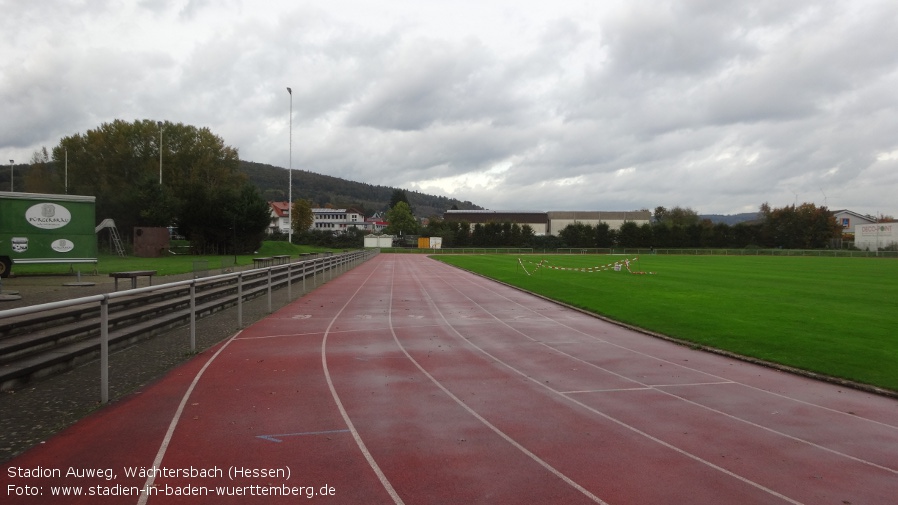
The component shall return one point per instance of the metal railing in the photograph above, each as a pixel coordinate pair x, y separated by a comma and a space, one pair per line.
693, 251
276, 275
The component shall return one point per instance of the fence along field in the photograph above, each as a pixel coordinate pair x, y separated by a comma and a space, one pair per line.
834, 316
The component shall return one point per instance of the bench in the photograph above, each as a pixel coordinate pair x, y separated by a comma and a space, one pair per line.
262, 262
133, 275
281, 259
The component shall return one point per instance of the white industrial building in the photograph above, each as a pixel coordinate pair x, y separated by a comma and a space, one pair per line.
876, 236
549, 223
337, 220
559, 220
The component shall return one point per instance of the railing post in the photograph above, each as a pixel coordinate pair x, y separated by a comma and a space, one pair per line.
269, 290
193, 316
240, 300
289, 281
104, 349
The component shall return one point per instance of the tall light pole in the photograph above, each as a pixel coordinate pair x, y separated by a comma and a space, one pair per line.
160, 151
290, 171
12, 173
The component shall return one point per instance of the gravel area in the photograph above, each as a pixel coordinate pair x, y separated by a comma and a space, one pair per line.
44, 407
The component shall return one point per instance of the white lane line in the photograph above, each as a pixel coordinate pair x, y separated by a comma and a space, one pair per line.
686, 384
603, 390
485, 284
160, 454
600, 413
686, 400
334, 332
480, 418
330, 384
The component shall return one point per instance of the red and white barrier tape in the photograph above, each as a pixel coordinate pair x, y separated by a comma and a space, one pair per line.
616, 266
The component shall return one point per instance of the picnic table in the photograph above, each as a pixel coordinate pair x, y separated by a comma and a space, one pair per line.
133, 275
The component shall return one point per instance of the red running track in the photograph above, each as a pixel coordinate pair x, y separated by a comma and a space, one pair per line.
408, 381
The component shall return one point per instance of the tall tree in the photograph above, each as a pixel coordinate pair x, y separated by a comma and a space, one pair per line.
119, 163
578, 234
803, 227
251, 216
302, 216
41, 176
401, 221
604, 236
628, 234
399, 196
677, 216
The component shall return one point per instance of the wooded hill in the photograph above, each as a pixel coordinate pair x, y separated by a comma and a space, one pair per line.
322, 190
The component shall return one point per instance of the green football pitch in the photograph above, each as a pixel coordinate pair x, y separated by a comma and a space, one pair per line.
834, 316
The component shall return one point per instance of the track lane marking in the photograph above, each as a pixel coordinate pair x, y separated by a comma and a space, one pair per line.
724, 379
274, 438
349, 424
487, 284
163, 448
476, 415
594, 410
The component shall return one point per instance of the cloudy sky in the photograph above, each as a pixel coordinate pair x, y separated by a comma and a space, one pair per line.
560, 105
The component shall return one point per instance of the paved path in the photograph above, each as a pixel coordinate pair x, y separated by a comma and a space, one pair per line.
407, 381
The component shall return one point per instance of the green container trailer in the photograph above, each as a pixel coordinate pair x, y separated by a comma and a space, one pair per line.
36, 228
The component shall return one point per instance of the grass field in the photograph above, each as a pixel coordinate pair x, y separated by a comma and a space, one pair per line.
166, 265
836, 316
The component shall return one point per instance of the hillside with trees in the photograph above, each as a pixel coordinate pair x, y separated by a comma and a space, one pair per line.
324, 190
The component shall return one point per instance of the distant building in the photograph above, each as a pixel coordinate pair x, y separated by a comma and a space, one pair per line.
549, 223
559, 220
280, 218
876, 236
849, 219
337, 220
376, 223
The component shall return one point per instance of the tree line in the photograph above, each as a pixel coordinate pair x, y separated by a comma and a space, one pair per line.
152, 173
805, 226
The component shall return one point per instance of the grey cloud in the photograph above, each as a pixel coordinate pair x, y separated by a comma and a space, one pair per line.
425, 83
613, 105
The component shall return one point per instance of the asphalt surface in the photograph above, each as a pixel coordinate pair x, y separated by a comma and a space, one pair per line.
41, 408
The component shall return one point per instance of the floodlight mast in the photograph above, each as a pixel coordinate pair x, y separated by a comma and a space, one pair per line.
159, 123
290, 172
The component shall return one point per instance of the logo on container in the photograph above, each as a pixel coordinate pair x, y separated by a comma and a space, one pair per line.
62, 245
19, 244
48, 216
